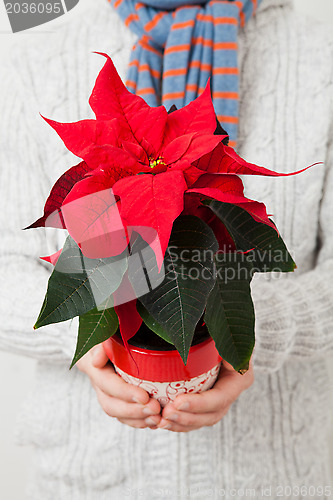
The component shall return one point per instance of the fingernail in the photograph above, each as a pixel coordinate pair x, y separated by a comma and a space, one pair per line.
165, 425
150, 421
137, 400
173, 417
148, 411
183, 406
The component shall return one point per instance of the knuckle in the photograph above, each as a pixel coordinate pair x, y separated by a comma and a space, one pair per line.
187, 420
108, 411
136, 424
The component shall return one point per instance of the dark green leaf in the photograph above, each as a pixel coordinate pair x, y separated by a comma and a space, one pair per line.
78, 284
95, 327
152, 323
268, 251
229, 313
179, 301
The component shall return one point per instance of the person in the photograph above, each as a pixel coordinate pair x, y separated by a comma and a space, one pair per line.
261, 434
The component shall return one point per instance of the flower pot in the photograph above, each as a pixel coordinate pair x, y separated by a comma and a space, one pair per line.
157, 367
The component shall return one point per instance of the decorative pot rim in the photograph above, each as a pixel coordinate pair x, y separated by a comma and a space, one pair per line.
162, 366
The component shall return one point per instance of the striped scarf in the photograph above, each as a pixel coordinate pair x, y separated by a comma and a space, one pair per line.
178, 50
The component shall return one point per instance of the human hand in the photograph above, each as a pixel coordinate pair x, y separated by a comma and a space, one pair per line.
192, 411
129, 404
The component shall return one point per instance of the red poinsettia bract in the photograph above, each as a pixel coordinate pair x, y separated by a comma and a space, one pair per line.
141, 168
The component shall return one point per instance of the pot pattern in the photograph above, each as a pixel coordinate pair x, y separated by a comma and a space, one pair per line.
165, 392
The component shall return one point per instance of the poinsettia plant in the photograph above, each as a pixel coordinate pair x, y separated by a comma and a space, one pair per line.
163, 185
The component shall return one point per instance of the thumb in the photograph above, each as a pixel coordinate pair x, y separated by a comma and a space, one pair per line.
99, 357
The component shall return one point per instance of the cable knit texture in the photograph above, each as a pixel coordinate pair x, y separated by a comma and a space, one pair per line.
276, 432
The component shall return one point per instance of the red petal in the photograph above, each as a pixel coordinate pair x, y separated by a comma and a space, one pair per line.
198, 116
200, 145
177, 148
111, 99
239, 166
116, 161
52, 259
92, 217
136, 151
254, 208
223, 159
152, 201
224, 182
129, 319
52, 216
78, 136
192, 174
128, 316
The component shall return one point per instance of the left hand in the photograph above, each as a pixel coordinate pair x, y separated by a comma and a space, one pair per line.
192, 411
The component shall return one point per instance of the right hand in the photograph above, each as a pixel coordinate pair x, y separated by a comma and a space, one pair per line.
127, 403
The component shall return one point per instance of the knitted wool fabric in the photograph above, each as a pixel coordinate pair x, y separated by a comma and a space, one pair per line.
275, 436
178, 50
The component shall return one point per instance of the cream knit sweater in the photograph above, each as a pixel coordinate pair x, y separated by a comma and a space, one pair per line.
275, 434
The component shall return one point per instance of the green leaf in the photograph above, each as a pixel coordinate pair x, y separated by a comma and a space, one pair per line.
78, 284
95, 327
229, 313
268, 251
152, 323
178, 302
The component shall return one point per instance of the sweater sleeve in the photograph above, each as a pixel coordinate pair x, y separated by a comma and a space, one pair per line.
25, 171
294, 316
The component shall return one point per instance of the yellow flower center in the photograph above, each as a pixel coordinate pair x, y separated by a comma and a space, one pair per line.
153, 163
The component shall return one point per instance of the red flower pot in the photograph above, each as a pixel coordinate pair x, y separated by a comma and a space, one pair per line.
161, 371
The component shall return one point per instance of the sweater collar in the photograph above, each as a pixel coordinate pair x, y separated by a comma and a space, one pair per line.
266, 4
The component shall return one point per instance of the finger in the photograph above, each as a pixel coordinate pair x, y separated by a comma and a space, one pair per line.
108, 381
99, 357
193, 420
120, 409
186, 422
149, 422
229, 385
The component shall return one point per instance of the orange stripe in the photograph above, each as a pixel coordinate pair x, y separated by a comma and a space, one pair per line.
131, 18
242, 19
117, 3
217, 46
232, 144
149, 26
228, 119
225, 71
177, 48
130, 83
194, 88
225, 46
135, 62
200, 40
147, 90
138, 6
174, 72
255, 5
200, 65
191, 88
239, 5
217, 20
145, 67
174, 95
186, 24
148, 47
225, 95
154, 72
